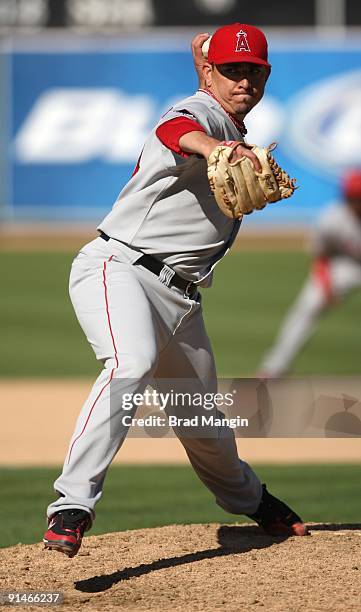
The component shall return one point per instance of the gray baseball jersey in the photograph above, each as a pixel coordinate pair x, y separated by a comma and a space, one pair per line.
167, 209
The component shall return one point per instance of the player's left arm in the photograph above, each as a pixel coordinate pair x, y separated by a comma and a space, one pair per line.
200, 143
321, 246
186, 136
321, 273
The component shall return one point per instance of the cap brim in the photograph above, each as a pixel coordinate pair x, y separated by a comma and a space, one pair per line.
251, 59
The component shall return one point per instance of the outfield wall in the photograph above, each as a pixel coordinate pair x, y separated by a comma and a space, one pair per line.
78, 109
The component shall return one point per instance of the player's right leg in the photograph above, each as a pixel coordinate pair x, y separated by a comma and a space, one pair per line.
115, 314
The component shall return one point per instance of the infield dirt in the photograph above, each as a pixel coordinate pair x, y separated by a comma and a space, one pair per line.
196, 568
31, 400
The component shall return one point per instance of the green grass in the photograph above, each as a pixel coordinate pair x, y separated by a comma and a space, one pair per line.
251, 294
137, 497
39, 329
252, 291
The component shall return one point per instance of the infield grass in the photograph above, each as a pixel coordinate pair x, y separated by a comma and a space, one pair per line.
136, 497
243, 310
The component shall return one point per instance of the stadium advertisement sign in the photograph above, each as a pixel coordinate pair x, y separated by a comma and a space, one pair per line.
79, 120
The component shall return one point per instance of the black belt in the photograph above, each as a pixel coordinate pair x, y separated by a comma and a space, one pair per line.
165, 273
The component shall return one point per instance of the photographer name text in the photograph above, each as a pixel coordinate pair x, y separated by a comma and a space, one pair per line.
175, 421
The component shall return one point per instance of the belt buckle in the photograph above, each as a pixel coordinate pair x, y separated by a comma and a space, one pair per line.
187, 291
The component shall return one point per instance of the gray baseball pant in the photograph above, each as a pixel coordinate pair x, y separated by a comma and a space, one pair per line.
141, 329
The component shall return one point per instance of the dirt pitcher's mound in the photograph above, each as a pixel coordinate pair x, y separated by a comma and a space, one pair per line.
196, 568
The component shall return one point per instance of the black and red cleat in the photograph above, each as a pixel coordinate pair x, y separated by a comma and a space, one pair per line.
66, 529
276, 518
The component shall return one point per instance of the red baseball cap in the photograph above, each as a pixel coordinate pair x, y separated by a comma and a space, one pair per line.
351, 184
238, 42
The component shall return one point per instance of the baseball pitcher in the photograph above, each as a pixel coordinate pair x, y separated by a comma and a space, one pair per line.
136, 287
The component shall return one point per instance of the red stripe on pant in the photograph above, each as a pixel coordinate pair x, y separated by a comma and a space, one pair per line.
115, 355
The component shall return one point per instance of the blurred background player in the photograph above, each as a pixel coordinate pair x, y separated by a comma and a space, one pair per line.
335, 272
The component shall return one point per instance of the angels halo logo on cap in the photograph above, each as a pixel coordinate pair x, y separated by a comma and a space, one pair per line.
238, 42
242, 43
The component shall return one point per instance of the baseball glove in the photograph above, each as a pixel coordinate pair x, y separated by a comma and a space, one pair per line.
238, 188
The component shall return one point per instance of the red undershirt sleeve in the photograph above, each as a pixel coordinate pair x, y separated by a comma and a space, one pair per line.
171, 131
